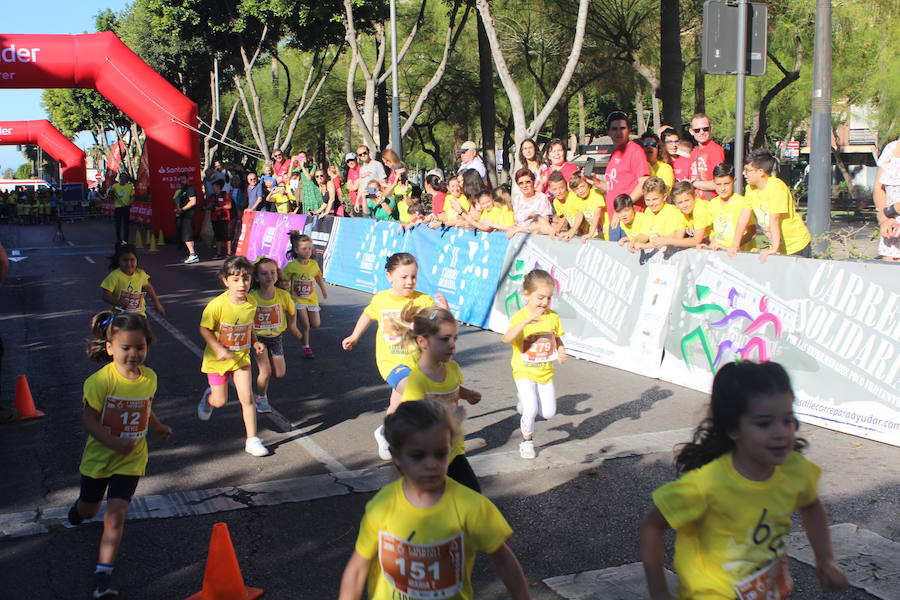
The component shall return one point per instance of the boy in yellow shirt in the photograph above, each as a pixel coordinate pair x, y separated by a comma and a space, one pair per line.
566, 206
731, 215
773, 205
694, 218
630, 220
660, 218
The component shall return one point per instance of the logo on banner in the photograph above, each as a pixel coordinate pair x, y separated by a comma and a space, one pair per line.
515, 301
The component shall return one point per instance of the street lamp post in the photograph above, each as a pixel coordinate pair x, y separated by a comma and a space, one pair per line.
395, 98
819, 198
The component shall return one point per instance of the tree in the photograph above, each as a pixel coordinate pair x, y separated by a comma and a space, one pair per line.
522, 129
24, 171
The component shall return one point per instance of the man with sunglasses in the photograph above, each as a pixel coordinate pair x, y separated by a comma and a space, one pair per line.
370, 170
705, 156
281, 166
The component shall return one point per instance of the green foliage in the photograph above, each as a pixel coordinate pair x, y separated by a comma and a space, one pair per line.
24, 171
75, 110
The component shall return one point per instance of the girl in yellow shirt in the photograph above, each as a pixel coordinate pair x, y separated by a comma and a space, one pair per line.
455, 204
393, 353
302, 275
420, 534
436, 376
535, 334
275, 314
117, 414
125, 286
493, 214
742, 478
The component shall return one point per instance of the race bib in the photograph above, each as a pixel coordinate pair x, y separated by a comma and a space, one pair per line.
267, 317
451, 398
235, 337
391, 326
539, 348
126, 417
134, 300
422, 571
302, 288
772, 582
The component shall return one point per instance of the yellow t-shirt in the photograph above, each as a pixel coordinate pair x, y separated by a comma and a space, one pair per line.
665, 222
499, 214
232, 325
431, 550
534, 351
699, 218
450, 213
664, 171
390, 348
124, 406
302, 281
636, 226
590, 206
777, 198
419, 387
728, 527
130, 288
403, 211
725, 216
282, 202
569, 209
124, 194
271, 315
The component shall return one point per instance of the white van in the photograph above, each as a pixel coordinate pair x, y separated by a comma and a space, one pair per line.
32, 185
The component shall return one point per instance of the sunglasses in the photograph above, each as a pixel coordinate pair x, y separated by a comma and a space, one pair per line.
320, 175
362, 153
525, 181
651, 145
699, 129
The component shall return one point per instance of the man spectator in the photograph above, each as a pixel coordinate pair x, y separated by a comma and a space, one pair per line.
185, 200
704, 157
123, 193
469, 159
352, 179
681, 163
627, 165
256, 195
370, 171
281, 166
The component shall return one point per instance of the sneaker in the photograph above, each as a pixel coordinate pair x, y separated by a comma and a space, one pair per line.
255, 447
102, 589
204, 408
75, 517
193, 258
526, 449
308, 353
262, 404
384, 449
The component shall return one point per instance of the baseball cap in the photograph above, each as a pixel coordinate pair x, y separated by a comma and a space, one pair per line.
468, 145
371, 192
349, 156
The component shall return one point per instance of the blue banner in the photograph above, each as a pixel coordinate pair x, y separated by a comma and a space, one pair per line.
464, 266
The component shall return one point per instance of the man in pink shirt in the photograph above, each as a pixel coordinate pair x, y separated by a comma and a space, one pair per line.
281, 166
705, 156
627, 164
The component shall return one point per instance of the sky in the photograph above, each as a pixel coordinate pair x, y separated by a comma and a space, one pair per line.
54, 16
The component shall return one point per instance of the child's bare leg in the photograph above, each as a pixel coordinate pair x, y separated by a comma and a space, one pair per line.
396, 396
243, 381
303, 315
113, 528
218, 395
263, 363
315, 321
278, 366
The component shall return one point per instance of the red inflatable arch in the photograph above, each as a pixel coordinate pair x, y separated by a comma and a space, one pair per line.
102, 62
48, 137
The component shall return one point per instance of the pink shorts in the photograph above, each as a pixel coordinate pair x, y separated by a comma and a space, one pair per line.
217, 379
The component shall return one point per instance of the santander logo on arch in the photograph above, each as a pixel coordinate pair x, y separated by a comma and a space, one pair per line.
11, 54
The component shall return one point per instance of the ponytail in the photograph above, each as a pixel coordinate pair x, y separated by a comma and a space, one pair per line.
106, 324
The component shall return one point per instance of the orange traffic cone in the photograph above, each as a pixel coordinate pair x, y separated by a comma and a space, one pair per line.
153, 247
162, 239
222, 579
24, 401
138, 240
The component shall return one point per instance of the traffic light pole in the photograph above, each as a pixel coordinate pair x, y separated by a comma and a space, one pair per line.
818, 219
741, 93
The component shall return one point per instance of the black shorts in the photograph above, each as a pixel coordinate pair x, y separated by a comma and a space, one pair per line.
273, 344
220, 231
120, 487
806, 252
461, 472
186, 226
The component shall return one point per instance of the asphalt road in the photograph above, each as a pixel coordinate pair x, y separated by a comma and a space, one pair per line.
576, 508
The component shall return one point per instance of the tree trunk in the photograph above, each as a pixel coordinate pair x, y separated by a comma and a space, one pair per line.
760, 126
671, 67
486, 100
699, 79
384, 121
581, 118
639, 110
561, 122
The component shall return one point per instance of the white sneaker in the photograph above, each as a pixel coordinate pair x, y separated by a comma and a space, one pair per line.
384, 449
526, 449
191, 259
204, 408
262, 404
255, 447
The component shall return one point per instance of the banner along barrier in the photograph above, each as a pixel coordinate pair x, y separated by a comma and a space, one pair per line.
464, 266
834, 325
268, 234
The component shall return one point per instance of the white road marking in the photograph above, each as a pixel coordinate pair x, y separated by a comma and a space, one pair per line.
314, 449
90, 260
71, 243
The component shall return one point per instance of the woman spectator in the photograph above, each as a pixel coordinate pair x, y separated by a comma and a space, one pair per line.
472, 183
657, 158
435, 188
351, 176
532, 209
330, 205
887, 201
392, 161
531, 158
669, 148
334, 176
556, 154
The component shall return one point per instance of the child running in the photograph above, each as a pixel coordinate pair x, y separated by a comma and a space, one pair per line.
117, 413
302, 275
393, 354
423, 530
275, 313
436, 376
535, 334
742, 478
227, 328
125, 286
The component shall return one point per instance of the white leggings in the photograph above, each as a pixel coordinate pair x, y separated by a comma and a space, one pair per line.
534, 396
